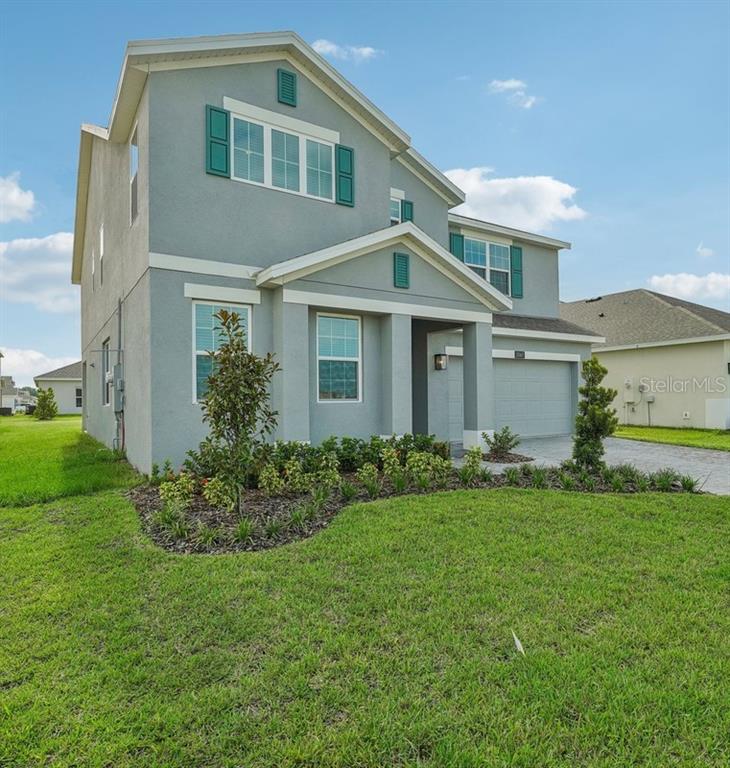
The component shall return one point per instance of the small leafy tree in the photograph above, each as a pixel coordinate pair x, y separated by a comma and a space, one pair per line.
596, 419
46, 407
236, 406
501, 443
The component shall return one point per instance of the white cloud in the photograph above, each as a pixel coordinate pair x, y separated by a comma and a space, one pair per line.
37, 270
16, 204
703, 252
356, 53
711, 287
525, 202
500, 86
516, 91
24, 364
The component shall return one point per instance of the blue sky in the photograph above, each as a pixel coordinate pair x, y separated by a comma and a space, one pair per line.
605, 124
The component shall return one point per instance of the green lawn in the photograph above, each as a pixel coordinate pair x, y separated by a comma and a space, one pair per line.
384, 640
44, 460
718, 439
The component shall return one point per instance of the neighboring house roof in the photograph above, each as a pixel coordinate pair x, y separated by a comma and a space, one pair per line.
145, 56
645, 318
71, 371
541, 325
407, 234
498, 229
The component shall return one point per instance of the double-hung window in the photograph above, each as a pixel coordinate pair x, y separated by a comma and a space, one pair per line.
319, 169
106, 371
79, 397
101, 255
248, 150
394, 211
475, 256
499, 267
338, 358
490, 261
285, 160
291, 156
208, 338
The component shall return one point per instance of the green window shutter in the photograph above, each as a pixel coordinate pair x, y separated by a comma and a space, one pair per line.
345, 175
217, 141
456, 245
401, 270
406, 210
515, 260
286, 87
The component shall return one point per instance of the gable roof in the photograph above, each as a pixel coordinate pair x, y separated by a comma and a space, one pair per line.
534, 324
467, 222
144, 56
641, 317
70, 371
407, 234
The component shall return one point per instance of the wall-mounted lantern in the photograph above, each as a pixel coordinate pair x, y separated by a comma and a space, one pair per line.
440, 361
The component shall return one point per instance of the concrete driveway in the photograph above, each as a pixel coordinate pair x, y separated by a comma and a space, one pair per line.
711, 468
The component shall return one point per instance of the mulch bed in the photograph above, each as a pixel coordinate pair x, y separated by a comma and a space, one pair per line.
262, 510
506, 458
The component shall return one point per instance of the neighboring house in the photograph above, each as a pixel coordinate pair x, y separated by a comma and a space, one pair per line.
9, 396
67, 386
669, 359
245, 172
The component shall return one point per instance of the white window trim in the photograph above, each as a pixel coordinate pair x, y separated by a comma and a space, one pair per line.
399, 194
132, 137
358, 360
489, 268
399, 201
194, 345
302, 136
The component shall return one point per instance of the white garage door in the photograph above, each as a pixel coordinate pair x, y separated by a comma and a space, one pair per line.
533, 397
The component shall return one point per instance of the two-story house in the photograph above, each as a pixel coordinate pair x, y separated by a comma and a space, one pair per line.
245, 172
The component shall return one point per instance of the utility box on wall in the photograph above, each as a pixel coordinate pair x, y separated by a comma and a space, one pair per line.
118, 388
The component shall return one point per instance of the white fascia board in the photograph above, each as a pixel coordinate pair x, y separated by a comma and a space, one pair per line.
670, 343
202, 266
431, 177
551, 335
509, 232
54, 378
82, 197
380, 307
221, 293
407, 234
258, 114
509, 354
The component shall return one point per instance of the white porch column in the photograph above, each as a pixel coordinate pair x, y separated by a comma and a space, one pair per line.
478, 383
290, 391
395, 346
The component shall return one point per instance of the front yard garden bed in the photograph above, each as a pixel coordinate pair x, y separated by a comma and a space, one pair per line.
266, 519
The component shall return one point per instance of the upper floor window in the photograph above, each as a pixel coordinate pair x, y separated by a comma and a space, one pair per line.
208, 338
285, 160
494, 258
248, 150
133, 168
394, 211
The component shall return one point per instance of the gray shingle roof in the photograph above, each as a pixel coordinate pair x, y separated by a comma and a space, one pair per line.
643, 317
530, 323
70, 371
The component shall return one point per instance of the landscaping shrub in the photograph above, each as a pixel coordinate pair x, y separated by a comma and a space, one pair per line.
512, 476
236, 407
178, 493
501, 443
471, 470
244, 530
688, 483
327, 474
427, 470
46, 408
296, 480
348, 491
664, 479
270, 481
596, 420
367, 475
392, 468
218, 494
